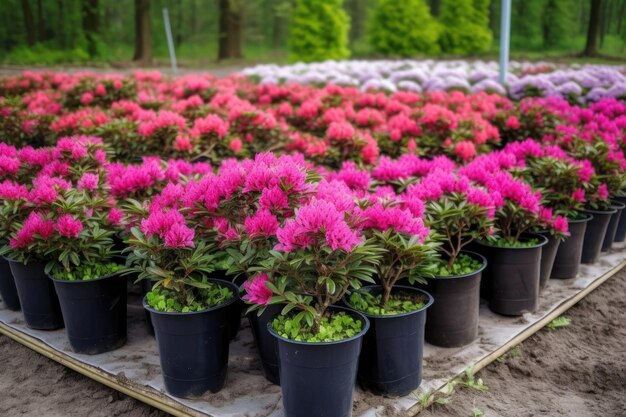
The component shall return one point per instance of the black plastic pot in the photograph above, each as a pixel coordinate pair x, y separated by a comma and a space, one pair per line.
38, 297
391, 357
513, 276
317, 379
453, 317
8, 291
146, 287
594, 235
568, 255
548, 254
193, 347
237, 308
95, 312
620, 233
611, 230
265, 342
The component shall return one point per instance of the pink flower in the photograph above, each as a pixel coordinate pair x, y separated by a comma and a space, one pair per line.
100, 90
86, 98
465, 149
273, 198
179, 236
68, 226
34, 225
257, 291
560, 225
512, 123
211, 124
340, 131
235, 145
579, 195
183, 143
115, 216
318, 221
88, 182
262, 224
603, 192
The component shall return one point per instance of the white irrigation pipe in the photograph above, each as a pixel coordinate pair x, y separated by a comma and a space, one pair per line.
505, 38
170, 40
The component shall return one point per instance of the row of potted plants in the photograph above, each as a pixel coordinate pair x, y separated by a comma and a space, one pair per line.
337, 265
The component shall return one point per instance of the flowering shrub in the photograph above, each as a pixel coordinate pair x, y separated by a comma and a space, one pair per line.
166, 249
63, 214
320, 255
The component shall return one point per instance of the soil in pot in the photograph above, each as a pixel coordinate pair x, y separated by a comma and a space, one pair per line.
568, 255
393, 348
595, 233
453, 317
193, 347
513, 275
94, 311
8, 291
548, 255
265, 342
37, 295
318, 378
620, 233
611, 230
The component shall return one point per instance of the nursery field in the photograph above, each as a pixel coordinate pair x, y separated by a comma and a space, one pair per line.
263, 242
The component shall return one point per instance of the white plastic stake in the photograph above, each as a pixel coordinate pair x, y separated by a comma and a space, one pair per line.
170, 40
505, 38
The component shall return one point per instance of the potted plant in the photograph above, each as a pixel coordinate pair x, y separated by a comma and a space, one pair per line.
599, 206
190, 311
86, 271
319, 257
391, 356
246, 203
560, 180
457, 213
513, 253
608, 163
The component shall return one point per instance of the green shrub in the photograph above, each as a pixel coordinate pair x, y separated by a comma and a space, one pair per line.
404, 28
319, 31
465, 27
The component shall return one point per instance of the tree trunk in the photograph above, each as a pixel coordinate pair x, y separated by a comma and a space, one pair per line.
235, 33
29, 24
591, 47
61, 21
143, 33
230, 29
621, 17
41, 26
91, 25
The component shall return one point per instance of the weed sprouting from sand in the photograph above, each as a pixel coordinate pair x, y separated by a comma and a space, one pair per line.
557, 323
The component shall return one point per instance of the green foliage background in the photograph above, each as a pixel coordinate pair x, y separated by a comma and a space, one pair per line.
319, 30
281, 30
403, 27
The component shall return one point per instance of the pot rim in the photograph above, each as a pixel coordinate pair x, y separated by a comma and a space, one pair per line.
364, 329
431, 300
617, 204
588, 218
544, 241
6, 258
76, 281
176, 313
479, 270
610, 211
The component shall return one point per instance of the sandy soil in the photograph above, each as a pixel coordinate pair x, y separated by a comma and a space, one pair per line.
579, 370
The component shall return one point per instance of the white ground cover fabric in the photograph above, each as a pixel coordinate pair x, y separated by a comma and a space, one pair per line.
247, 393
